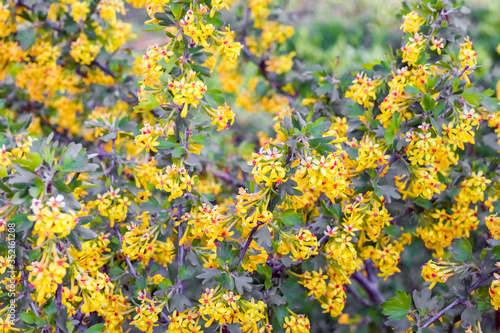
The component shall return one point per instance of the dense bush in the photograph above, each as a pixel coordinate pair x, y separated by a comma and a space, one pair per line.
251, 183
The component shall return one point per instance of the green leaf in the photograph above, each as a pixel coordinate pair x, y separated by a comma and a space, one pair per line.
488, 92
470, 316
28, 317
376, 190
234, 328
3, 171
436, 126
267, 272
146, 106
152, 27
203, 70
242, 283
438, 109
84, 233
290, 218
178, 151
368, 66
412, 90
27, 164
281, 314
51, 308
26, 38
427, 102
61, 318
34, 255
77, 163
165, 144
389, 191
318, 127
96, 328
115, 271
424, 302
443, 64
216, 20
21, 221
263, 236
35, 192
165, 284
461, 250
424, 203
166, 19
324, 89
393, 127
399, 326
186, 272
73, 239
496, 252
177, 10
397, 307
179, 302
472, 97
213, 97
209, 273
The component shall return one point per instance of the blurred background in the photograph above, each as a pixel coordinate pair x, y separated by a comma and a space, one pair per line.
342, 35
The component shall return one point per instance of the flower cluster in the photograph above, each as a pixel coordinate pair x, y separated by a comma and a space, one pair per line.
45, 275
175, 179
50, 220
112, 205
187, 91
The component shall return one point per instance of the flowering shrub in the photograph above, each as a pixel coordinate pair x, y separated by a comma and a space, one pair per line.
155, 210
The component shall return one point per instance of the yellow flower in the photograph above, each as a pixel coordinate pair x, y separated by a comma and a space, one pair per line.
412, 22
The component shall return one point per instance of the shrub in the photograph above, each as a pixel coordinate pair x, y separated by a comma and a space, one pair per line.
152, 210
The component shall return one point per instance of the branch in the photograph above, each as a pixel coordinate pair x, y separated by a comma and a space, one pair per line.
59, 297
459, 74
394, 157
369, 284
407, 212
321, 241
181, 249
357, 295
479, 282
129, 263
247, 243
225, 176
24, 277
78, 317
103, 68
165, 318
372, 276
442, 312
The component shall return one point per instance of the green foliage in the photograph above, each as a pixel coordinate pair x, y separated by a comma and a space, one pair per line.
397, 307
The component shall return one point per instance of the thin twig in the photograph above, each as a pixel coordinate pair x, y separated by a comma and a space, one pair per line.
59, 297
247, 244
321, 241
24, 278
225, 176
165, 318
104, 68
181, 249
129, 263
407, 212
394, 157
442, 312
479, 282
